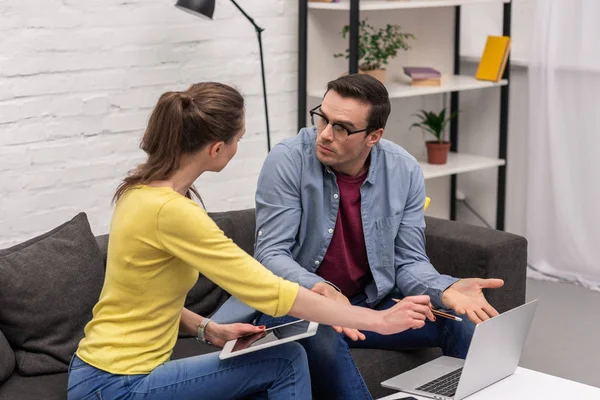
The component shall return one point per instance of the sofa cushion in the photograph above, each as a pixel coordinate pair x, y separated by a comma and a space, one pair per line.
103, 245
7, 359
47, 387
48, 287
239, 226
204, 298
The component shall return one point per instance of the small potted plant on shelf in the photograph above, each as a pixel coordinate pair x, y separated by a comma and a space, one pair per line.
437, 150
376, 46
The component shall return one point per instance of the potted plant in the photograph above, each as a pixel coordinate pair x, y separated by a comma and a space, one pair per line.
437, 150
376, 46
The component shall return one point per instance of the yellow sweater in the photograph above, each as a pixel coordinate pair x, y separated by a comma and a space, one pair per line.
159, 242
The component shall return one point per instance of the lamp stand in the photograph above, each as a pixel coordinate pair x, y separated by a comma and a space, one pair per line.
262, 67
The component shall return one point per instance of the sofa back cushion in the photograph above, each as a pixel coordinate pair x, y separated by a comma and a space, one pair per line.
239, 226
7, 359
48, 287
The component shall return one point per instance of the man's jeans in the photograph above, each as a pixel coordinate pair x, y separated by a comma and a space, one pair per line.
279, 372
333, 372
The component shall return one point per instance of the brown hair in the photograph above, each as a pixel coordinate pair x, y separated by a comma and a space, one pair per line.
183, 123
366, 88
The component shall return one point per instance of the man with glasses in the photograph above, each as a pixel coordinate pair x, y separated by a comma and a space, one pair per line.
341, 211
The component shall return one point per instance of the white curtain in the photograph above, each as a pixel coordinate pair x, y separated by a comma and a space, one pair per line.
563, 199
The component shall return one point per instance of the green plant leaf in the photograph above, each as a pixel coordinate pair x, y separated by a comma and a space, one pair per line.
424, 127
433, 123
376, 46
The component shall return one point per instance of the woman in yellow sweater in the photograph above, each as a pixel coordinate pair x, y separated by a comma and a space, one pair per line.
160, 240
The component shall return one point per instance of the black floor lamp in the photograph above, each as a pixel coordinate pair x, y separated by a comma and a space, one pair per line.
206, 8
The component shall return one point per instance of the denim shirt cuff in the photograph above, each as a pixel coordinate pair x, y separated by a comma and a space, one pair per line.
310, 281
440, 284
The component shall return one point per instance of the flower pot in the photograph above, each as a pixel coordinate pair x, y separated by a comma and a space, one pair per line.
437, 153
378, 74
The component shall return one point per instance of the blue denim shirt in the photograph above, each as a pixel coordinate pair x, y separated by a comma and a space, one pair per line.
297, 204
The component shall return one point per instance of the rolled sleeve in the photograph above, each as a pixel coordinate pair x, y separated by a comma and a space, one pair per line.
288, 291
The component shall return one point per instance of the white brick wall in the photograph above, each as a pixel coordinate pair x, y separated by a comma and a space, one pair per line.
78, 80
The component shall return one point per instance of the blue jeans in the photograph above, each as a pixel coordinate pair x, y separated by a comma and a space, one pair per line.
279, 372
333, 372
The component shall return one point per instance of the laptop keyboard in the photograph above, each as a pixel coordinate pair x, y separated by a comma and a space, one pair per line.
445, 385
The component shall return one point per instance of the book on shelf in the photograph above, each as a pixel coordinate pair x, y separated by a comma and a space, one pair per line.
423, 76
422, 72
494, 58
427, 82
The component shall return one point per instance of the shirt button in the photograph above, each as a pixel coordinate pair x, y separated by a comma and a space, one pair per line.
335, 196
330, 230
317, 262
259, 233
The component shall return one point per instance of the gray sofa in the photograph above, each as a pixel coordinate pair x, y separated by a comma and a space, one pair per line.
454, 248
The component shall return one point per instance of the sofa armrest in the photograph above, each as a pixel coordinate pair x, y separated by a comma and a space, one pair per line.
7, 359
468, 251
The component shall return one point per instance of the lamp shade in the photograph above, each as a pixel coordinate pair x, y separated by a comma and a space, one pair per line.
200, 8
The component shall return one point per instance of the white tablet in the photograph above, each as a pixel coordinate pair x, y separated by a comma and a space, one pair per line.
270, 337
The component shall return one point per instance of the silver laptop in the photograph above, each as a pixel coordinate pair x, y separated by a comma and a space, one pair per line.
493, 355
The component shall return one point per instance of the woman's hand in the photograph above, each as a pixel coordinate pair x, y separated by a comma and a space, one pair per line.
409, 313
218, 334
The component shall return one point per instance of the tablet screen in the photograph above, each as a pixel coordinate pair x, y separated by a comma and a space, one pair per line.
271, 334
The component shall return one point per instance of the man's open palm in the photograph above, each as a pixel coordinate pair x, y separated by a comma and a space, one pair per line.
466, 297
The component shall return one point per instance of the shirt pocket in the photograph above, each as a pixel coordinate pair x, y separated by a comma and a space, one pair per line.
387, 230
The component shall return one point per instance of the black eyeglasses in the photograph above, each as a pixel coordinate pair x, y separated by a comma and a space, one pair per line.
340, 132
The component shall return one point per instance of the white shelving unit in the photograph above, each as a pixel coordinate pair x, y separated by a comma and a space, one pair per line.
459, 163
455, 83
433, 24
397, 4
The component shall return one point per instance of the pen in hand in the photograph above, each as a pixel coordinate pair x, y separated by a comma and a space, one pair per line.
441, 314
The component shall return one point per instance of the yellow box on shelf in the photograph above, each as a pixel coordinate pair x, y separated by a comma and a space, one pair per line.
494, 58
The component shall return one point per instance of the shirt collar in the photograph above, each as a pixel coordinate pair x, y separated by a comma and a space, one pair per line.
373, 165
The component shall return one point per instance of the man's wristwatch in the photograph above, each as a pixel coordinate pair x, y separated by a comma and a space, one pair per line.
201, 329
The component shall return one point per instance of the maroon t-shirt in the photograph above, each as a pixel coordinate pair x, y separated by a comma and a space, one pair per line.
346, 264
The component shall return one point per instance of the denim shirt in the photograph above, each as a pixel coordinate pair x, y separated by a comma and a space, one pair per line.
297, 204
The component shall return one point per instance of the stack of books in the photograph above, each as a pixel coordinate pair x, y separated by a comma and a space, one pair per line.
424, 76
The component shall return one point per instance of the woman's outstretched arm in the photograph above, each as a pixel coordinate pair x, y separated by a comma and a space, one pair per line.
410, 313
